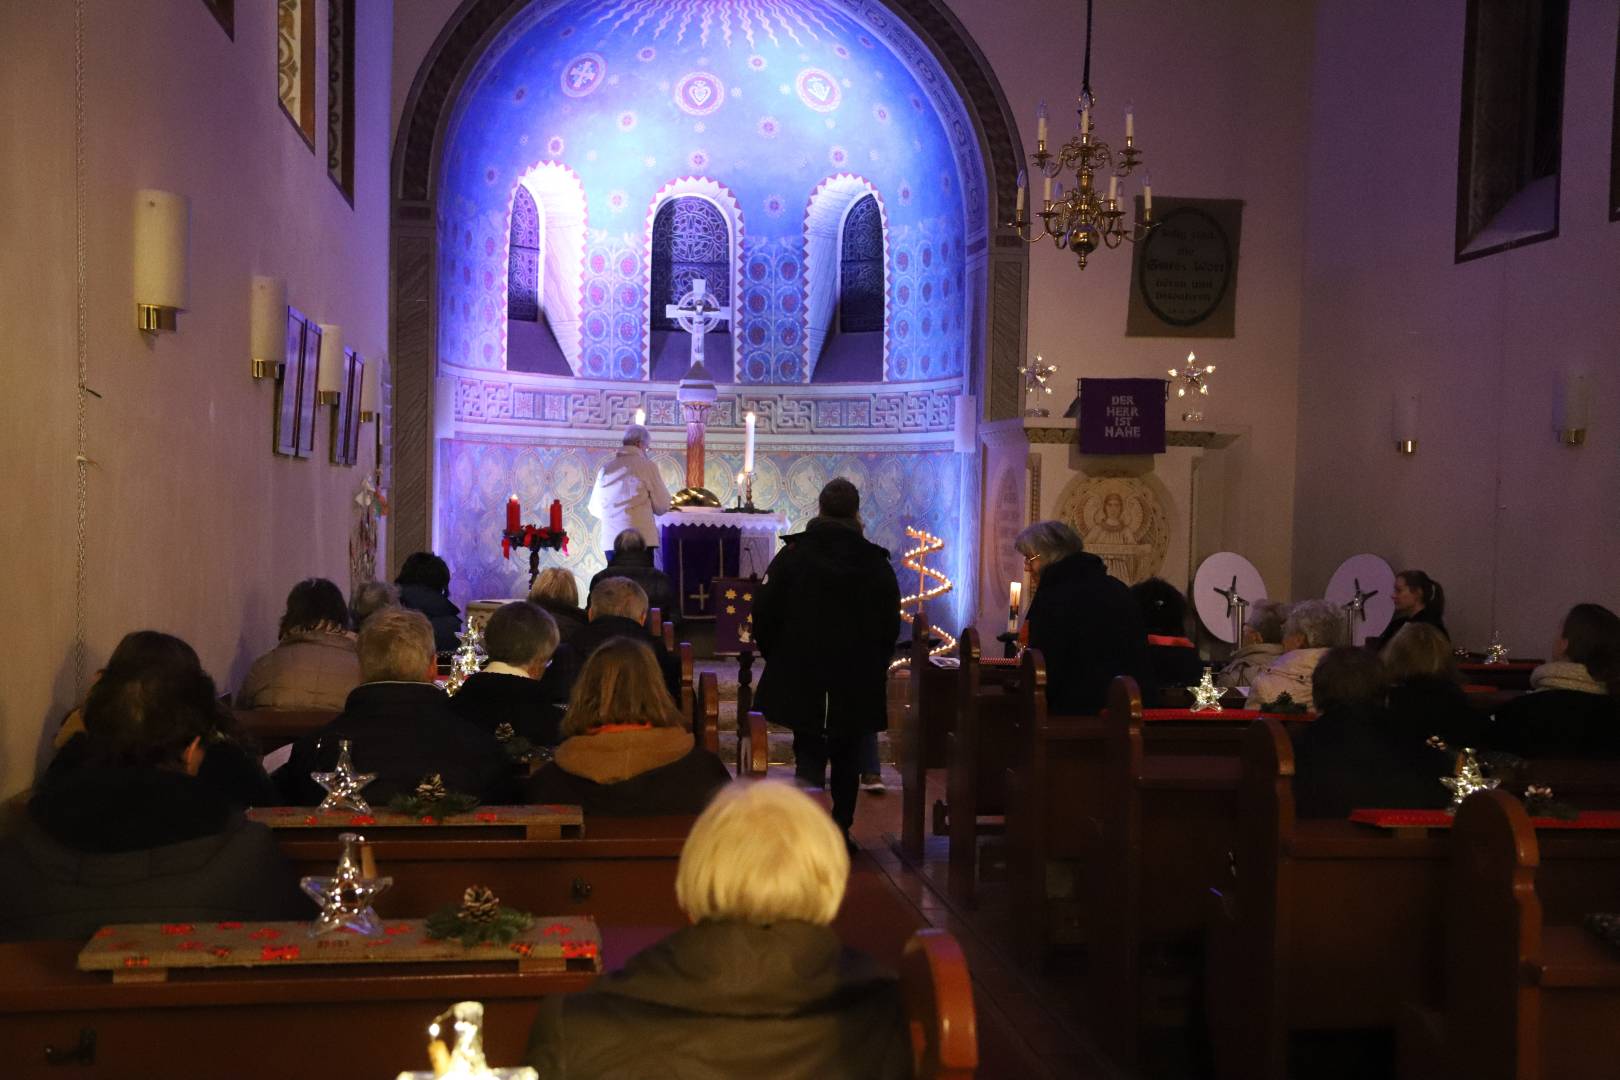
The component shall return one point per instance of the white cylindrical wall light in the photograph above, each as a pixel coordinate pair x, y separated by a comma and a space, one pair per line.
1575, 410
162, 236
1406, 417
371, 390
267, 325
329, 375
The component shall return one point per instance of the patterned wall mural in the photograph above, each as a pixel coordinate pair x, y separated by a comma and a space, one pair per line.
766, 98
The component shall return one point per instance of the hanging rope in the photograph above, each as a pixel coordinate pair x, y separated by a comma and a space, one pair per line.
1085, 75
82, 346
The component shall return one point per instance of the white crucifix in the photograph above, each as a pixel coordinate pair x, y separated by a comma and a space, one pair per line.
697, 313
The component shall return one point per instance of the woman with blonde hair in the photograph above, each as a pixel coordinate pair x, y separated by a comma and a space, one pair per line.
626, 749
1425, 687
557, 592
759, 984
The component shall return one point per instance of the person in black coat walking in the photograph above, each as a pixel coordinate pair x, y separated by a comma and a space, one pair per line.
632, 558
520, 685
401, 726
826, 617
424, 585
1085, 623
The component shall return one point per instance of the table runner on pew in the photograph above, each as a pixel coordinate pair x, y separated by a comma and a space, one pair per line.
1441, 819
1231, 715
1506, 665
147, 951
537, 821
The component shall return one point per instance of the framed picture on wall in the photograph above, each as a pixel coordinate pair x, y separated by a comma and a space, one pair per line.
308, 366
346, 417
287, 386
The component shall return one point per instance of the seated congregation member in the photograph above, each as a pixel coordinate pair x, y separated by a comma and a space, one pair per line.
313, 665
626, 750
1571, 709
1356, 753
518, 686
1173, 660
231, 768
131, 833
619, 609
424, 585
1311, 629
1425, 688
759, 984
557, 591
1260, 646
632, 558
1418, 598
371, 597
400, 725
1083, 621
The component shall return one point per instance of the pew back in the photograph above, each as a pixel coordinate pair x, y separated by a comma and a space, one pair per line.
939, 1007
271, 729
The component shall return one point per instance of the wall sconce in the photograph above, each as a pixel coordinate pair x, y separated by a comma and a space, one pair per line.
1575, 410
371, 390
162, 232
267, 325
1406, 421
329, 372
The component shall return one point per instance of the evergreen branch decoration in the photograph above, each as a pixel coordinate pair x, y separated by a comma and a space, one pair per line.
480, 919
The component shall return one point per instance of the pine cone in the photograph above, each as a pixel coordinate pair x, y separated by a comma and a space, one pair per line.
504, 732
1537, 791
1436, 742
480, 904
431, 789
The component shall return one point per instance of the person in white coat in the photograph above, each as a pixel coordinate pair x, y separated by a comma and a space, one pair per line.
629, 493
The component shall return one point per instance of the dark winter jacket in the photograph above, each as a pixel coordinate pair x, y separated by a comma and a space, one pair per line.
1433, 705
110, 843
570, 620
630, 773
402, 731
827, 617
1568, 715
729, 999
1089, 628
534, 707
603, 627
445, 616
1361, 756
1171, 667
230, 770
638, 567
1425, 615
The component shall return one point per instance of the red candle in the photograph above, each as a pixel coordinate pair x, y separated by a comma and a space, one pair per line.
556, 515
514, 515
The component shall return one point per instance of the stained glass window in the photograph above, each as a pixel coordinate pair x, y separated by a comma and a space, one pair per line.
690, 240
523, 270
860, 284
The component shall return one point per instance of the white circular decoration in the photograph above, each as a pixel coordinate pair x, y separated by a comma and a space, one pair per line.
1222, 573
1371, 578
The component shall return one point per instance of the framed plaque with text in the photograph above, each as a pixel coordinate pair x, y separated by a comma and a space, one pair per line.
1184, 271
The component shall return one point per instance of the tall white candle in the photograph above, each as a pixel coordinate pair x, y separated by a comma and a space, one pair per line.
1130, 123
1046, 190
1023, 181
748, 443
1015, 595
1113, 190
1147, 194
1040, 123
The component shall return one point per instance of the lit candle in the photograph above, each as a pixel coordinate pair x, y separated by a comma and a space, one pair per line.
1023, 181
556, 515
748, 443
1015, 594
1130, 122
1040, 123
641, 416
514, 514
740, 478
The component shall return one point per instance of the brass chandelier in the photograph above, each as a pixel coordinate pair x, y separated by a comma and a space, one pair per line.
1080, 217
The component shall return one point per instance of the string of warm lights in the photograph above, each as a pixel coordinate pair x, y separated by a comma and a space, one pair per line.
927, 544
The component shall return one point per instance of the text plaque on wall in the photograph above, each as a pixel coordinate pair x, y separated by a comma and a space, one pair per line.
1184, 272
1121, 416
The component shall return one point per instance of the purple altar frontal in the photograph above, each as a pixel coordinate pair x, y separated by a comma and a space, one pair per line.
703, 547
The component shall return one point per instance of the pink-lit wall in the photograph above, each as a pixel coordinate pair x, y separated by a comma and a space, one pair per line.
1508, 520
194, 527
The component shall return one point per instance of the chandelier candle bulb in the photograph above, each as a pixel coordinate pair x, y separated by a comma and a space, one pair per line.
1040, 123
1023, 182
1147, 194
1113, 191
514, 514
748, 441
1130, 125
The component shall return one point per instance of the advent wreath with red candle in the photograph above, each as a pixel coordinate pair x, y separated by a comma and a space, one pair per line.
536, 538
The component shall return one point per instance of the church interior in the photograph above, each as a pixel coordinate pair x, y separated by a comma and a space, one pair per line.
1300, 308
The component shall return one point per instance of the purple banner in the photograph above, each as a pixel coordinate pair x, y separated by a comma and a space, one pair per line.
1122, 416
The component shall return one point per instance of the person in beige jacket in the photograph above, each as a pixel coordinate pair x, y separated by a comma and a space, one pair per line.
1313, 627
629, 493
314, 665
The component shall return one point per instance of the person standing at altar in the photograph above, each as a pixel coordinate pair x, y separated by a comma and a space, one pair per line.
826, 618
629, 493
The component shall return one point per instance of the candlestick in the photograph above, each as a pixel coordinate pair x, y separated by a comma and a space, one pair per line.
748, 443
748, 490
556, 515
514, 514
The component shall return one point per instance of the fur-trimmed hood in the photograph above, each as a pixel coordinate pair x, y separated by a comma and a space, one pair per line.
609, 757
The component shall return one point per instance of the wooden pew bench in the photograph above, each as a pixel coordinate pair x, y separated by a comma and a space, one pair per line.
1333, 925
271, 729
978, 742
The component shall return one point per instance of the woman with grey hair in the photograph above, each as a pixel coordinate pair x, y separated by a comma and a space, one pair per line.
1084, 622
1260, 646
370, 597
1311, 629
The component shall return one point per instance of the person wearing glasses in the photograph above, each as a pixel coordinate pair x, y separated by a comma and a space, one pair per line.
1085, 622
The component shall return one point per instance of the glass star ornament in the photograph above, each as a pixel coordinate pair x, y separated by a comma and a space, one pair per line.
343, 785
346, 897
1469, 779
1496, 652
1206, 695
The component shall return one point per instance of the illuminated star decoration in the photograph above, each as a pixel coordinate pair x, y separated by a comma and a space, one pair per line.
1035, 376
1496, 652
343, 784
346, 897
1191, 377
1206, 695
1469, 779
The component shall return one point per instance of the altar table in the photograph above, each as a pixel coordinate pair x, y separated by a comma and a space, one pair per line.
700, 544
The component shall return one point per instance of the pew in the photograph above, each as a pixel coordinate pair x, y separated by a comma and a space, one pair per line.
745, 681
655, 622
1329, 924
668, 637
262, 1023
687, 679
704, 713
753, 746
1523, 1001
1511, 675
977, 746
939, 1007
271, 729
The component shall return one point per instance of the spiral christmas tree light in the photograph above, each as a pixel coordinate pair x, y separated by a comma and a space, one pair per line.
930, 584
